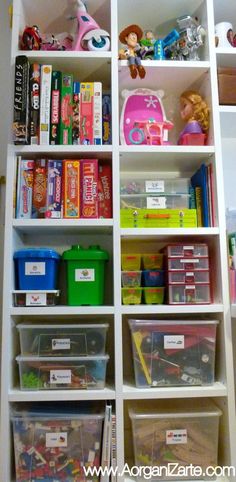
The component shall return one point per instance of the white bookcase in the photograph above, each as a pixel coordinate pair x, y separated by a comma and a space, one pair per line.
174, 77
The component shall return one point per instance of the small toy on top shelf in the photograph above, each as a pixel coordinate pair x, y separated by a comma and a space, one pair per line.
195, 112
191, 38
224, 35
131, 37
143, 119
147, 45
89, 35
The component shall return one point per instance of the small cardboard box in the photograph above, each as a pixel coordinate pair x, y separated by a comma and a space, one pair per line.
227, 85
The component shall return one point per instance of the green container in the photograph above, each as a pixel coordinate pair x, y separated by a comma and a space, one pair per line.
85, 275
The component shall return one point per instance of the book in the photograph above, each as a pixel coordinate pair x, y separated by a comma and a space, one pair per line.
209, 196
55, 107
86, 113
66, 109
24, 188
34, 103
212, 188
113, 447
76, 114
104, 191
97, 113
89, 188
199, 179
71, 189
106, 119
54, 189
20, 125
198, 194
39, 189
106, 441
45, 102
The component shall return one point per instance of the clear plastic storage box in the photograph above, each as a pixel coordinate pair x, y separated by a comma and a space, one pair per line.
188, 264
131, 296
56, 446
188, 277
152, 261
35, 297
189, 294
129, 184
62, 340
187, 250
173, 353
184, 434
49, 373
154, 201
130, 262
131, 279
153, 296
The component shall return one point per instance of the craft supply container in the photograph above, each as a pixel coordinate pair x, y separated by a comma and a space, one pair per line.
35, 298
153, 278
153, 296
131, 279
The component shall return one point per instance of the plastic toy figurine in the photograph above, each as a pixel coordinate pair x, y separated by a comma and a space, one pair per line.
191, 38
143, 119
31, 39
89, 35
131, 37
195, 112
224, 35
161, 45
147, 45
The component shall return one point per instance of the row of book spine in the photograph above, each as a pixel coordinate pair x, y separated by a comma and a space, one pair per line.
109, 457
203, 196
68, 188
51, 107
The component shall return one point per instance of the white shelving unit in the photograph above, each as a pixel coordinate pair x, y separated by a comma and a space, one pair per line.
174, 77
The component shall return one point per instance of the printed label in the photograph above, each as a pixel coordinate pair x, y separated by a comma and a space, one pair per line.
155, 186
91, 456
33, 299
56, 439
85, 274
189, 261
156, 202
35, 269
60, 377
188, 248
61, 344
174, 341
176, 437
190, 287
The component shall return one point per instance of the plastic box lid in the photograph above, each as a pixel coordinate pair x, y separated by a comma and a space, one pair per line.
93, 252
29, 326
36, 253
146, 323
184, 409
65, 359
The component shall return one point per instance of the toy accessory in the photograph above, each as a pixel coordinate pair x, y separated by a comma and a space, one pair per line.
193, 110
131, 37
89, 34
191, 38
224, 35
143, 119
147, 43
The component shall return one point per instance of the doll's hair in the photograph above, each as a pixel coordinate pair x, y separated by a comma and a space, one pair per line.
200, 108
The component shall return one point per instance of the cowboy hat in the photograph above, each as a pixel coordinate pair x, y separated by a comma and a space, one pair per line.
131, 28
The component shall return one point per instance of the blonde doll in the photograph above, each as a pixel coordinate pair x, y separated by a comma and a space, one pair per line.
195, 112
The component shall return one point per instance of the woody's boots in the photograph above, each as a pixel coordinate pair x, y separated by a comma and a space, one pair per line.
133, 71
141, 71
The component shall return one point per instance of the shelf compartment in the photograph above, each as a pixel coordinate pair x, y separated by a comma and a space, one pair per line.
60, 226
57, 395
130, 392
226, 57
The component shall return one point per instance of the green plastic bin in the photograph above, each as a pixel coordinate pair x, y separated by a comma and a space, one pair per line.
85, 275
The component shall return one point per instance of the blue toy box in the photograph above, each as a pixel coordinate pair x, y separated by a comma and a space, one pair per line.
36, 269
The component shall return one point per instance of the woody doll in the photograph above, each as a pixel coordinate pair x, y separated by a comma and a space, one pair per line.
131, 36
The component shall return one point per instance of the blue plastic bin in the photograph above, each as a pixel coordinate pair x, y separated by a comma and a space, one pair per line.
36, 269
153, 277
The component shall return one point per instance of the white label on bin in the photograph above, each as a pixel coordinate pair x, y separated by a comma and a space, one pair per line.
56, 439
155, 186
91, 456
61, 344
190, 248
156, 202
35, 269
189, 260
85, 274
176, 436
60, 377
173, 342
34, 299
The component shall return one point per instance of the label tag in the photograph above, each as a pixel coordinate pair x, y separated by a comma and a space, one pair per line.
35, 269
61, 344
60, 377
33, 299
189, 260
173, 342
56, 439
155, 186
176, 437
156, 202
85, 274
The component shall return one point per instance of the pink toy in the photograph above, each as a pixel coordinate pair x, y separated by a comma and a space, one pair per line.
143, 119
89, 35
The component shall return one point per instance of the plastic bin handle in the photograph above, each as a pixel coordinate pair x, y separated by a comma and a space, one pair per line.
156, 216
